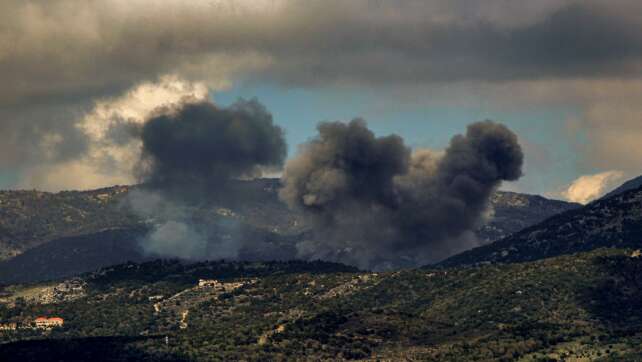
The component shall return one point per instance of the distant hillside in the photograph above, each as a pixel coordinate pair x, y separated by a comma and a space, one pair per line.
513, 212
58, 235
73, 255
32, 218
586, 307
610, 222
629, 185
29, 219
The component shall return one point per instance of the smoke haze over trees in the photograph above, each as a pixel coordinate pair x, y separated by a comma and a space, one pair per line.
190, 156
369, 201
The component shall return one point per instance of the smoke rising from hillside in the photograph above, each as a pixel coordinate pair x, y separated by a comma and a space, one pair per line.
190, 156
375, 204
371, 201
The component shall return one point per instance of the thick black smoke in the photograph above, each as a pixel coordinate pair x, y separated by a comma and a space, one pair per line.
201, 148
375, 204
192, 159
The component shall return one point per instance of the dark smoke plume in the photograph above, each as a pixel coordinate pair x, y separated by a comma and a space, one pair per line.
375, 204
192, 159
202, 147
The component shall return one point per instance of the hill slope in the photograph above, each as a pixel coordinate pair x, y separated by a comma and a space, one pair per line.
29, 219
629, 185
32, 218
583, 306
610, 222
513, 212
73, 255
103, 232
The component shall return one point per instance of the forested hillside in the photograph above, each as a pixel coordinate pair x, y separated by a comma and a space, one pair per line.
584, 306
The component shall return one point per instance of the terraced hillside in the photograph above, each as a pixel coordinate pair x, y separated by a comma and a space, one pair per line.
582, 306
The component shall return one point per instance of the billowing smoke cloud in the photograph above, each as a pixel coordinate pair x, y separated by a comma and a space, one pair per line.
202, 147
192, 158
375, 204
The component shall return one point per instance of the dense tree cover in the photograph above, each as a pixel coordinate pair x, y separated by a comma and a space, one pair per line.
581, 305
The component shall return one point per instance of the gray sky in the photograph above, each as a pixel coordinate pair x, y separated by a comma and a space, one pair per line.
72, 69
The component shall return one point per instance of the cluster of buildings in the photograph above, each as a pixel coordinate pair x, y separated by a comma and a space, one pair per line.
8, 326
218, 286
38, 323
47, 323
209, 283
65, 291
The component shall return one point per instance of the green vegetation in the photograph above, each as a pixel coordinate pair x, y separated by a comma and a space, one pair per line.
585, 305
612, 222
31, 218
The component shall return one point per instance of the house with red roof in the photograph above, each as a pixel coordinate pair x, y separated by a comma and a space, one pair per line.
47, 323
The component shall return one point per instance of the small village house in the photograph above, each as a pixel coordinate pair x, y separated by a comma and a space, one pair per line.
208, 283
46, 323
8, 326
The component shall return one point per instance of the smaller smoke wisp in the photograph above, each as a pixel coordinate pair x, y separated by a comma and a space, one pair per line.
192, 158
183, 231
375, 204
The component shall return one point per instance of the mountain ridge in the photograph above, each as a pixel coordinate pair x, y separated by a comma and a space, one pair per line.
611, 222
76, 226
31, 218
631, 184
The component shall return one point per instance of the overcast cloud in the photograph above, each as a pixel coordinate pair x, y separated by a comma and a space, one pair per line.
59, 58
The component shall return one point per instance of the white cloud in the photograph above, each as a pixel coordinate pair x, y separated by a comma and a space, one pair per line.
108, 161
454, 53
589, 187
